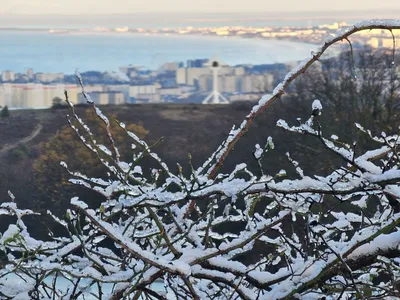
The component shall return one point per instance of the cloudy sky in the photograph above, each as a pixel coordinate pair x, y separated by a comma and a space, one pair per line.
193, 6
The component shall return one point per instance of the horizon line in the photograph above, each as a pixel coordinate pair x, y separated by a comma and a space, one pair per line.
387, 10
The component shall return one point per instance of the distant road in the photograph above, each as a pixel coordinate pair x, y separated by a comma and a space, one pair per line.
25, 140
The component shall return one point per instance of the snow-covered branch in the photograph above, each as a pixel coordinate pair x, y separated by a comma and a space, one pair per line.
234, 136
207, 235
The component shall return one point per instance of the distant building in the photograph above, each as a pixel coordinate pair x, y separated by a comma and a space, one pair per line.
14, 95
197, 63
181, 76
244, 97
34, 95
229, 83
92, 88
30, 74
148, 98
104, 98
49, 77
52, 91
116, 98
256, 83
8, 76
145, 88
204, 83
387, 43
72, 90
333, 26
250, 83
189, 75
131, 71
5, 94
171, 66
122, 88
122, 29
239, 71
169, 91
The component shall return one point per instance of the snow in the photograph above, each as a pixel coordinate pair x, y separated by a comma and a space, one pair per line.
381, 243
105, 150
189, 226
12, 232
11, 195
75, 201
63, 284
316, 105
259, 151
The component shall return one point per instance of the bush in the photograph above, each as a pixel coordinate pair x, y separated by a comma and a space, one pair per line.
324, 235
5, 113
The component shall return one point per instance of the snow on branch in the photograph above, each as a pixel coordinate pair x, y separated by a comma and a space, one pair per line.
279, 90
205, 235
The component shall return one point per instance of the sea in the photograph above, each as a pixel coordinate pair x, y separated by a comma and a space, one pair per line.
45, 52
36, 48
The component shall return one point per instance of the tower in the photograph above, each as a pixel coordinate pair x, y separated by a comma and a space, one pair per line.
215, 97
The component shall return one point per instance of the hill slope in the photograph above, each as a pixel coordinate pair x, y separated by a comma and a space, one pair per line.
195, 129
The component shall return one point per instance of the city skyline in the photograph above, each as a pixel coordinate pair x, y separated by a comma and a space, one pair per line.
76, 7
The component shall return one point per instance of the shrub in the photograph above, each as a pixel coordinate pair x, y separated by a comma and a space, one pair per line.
324, 235
5, 113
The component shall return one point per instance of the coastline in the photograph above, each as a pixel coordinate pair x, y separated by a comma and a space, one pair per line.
133, 32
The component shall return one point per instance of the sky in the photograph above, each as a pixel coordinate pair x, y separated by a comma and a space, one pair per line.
68, 7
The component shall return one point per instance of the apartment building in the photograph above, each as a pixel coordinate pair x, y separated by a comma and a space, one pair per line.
104, 98
189, 76
250, 83
49, 77
34, 95
142, 89
256, 83
7, 76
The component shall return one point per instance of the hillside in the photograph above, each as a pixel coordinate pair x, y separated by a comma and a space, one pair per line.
194, 129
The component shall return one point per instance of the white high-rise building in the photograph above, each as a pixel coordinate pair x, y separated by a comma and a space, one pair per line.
34, 95
8, 76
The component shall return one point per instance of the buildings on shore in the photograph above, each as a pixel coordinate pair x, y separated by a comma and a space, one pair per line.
34, 95
172, 82
307, 34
